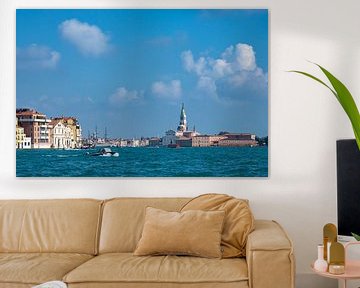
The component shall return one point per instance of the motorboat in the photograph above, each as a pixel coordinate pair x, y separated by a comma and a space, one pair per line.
104, 152
87, 146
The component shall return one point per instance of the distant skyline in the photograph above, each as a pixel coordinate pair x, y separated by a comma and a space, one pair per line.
130, 70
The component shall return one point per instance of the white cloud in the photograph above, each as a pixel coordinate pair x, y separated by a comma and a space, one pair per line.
37, 57
193, 66
257, 77
208, 85
245, 57
236, 67
122, 95
188, 60
171, 90
242, 57
221, 68
89, 39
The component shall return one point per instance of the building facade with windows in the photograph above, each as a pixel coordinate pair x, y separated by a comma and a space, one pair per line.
20, 136
36, 126
242, 139
73, 124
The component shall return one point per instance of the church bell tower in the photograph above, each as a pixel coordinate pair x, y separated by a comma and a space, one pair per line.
182, 125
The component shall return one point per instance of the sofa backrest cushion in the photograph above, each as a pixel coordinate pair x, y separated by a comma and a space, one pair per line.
123, 220
64, 226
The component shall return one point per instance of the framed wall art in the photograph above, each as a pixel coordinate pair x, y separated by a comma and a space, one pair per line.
141, 93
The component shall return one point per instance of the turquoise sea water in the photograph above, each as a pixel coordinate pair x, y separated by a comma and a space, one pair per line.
145, 162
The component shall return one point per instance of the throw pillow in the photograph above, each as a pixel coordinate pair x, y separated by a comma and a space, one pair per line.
239, 220
196, 233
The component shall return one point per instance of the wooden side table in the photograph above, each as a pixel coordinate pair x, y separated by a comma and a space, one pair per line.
352, 268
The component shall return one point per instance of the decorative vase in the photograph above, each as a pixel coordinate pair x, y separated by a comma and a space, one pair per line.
320, 264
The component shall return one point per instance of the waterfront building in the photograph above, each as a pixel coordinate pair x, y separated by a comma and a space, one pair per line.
207, 140
100, 141
73, 124
36, 126
20, 136
182, 136
61, 136
122, 143
133, 142
184, 141
69, 138
26, 143
223, 140
237, 140
215, 139
190, 134
201, 141
144, 142
169, 138
154, 142
57, 134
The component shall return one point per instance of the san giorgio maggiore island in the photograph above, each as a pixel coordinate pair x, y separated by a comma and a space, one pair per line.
34, 130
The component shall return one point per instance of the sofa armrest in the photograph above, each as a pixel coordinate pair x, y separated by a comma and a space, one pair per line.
269, 256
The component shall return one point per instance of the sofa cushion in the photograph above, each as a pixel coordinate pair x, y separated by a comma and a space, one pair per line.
123, 220
126, 268
62, 226
193, 232
36, 268
239, 220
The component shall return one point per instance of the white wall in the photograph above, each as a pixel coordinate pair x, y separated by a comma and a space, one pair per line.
305, 120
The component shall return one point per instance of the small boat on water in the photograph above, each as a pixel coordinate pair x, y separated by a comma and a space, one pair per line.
104, 152
87, 146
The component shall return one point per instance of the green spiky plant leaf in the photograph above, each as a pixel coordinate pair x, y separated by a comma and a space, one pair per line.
356, 236
344, 97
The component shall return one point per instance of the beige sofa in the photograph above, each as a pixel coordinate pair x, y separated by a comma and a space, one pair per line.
89, 243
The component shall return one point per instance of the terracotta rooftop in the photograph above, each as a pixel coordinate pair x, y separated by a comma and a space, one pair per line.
65, 118
28, 113
54, 122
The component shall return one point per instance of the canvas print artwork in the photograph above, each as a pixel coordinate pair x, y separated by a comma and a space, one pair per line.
141, 93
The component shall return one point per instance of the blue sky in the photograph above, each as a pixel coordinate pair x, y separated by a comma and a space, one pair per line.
130, 70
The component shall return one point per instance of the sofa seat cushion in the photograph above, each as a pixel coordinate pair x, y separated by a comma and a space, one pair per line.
36, 268
127, 268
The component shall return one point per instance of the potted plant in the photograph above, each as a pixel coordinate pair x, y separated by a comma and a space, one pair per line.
347, 102
357, 237
344, 97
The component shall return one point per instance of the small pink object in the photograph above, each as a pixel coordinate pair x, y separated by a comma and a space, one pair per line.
352, 268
